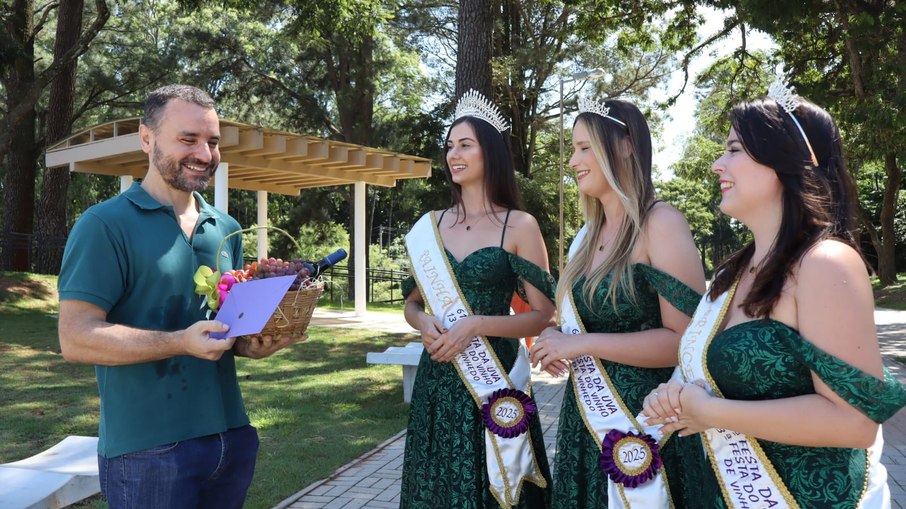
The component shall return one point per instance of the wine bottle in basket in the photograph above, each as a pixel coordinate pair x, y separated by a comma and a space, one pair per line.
318, 268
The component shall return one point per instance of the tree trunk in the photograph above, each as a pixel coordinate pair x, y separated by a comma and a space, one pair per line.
887, 269
868, 227
510, 42
473, 56
19, 192
50, 231
20, 40
351, 70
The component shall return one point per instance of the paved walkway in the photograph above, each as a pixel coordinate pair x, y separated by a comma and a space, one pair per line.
373, 480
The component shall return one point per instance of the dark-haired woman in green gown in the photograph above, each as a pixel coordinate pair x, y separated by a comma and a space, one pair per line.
632, 281
780, 372
487, 248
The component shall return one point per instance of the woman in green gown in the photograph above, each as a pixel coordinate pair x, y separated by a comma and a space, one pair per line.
634, 276
782, 372
492, 249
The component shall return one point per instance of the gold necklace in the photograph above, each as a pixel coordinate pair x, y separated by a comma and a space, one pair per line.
603, 244
469, 226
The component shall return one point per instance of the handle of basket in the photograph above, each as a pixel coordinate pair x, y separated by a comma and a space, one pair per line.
251, 229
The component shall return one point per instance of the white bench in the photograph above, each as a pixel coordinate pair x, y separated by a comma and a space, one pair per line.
407, 356
62, 475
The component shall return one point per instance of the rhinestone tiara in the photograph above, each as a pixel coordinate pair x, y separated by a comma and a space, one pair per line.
588, 105
783, 95
473, 104
787, 99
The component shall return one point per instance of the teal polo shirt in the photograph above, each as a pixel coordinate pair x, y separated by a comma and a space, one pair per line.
129, 256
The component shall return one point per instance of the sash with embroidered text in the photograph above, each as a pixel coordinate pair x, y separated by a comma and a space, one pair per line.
630, 451
502, 398
746, 476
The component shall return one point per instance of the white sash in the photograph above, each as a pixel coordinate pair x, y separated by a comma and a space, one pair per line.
574, 246
747, 478
603, 410
877, 493
509, 461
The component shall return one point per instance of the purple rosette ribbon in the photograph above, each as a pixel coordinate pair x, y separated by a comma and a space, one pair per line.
630, 459
508, 412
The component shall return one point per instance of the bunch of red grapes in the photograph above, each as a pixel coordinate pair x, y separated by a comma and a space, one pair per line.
274, 267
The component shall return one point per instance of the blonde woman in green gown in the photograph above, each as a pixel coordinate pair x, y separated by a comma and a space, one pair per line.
634, 277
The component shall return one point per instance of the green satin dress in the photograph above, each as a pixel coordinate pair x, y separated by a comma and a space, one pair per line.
578, 480
444, 463
766, 359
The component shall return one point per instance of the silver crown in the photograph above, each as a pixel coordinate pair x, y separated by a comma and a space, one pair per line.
784, 96
587, 105
787, 99
473, 104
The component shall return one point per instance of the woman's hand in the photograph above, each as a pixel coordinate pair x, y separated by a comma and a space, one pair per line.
557, 368
551, 349
679, 407
454, 341
431, 328
663, 404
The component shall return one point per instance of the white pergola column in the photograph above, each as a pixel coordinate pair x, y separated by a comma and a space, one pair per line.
125, 182
360, 247
262, 221
221, 186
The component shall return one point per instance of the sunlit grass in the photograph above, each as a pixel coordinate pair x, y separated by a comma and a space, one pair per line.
21, 292
317, 405
893, 296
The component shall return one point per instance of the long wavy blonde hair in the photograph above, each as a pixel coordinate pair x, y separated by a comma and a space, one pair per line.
624, 154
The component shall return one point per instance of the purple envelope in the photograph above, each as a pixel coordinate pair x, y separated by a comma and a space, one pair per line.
249, 305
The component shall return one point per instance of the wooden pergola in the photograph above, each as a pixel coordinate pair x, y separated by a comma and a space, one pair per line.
254, 159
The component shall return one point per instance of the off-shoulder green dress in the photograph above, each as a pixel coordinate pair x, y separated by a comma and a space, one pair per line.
766, 359
444, 462
578, 480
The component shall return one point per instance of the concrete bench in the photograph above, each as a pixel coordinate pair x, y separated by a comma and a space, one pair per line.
62, 475
407, 356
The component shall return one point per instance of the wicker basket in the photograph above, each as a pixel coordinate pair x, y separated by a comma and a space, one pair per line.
294, 312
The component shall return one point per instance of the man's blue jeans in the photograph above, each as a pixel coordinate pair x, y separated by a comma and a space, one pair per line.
211, 471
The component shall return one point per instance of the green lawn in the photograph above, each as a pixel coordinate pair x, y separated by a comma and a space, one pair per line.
893, 296
316, 405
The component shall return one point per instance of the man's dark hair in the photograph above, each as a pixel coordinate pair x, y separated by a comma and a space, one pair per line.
158, 99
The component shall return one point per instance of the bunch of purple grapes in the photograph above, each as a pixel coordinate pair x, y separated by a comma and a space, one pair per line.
275, 267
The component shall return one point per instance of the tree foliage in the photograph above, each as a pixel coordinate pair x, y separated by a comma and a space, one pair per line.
385, 73
849, 57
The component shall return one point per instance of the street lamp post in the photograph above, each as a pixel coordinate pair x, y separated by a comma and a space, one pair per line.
584, 75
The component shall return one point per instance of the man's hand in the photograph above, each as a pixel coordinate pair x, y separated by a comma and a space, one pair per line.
197, 342
259, 347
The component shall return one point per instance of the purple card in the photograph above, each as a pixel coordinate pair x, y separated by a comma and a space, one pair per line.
249, 305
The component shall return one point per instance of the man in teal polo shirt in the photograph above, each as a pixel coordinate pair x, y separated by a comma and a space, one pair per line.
173, 428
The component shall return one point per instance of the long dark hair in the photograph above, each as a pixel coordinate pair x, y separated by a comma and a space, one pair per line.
818, 200
499, 174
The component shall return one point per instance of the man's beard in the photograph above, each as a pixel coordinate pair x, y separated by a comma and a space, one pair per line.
171, 171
